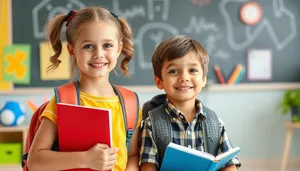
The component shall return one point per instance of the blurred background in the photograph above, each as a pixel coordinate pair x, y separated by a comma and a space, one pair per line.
253, 76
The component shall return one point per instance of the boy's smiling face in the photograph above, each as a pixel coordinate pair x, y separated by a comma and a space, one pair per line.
182, 78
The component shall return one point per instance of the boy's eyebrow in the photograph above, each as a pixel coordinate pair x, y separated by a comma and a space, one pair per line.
190, 64
194, 64
86, 41
170, 65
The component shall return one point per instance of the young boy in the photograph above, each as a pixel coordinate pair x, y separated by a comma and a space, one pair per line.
180, 67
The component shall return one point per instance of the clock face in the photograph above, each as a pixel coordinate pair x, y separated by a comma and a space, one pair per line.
251, 13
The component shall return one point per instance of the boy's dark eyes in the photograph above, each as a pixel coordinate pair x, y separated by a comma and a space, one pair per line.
172, 71
193, 70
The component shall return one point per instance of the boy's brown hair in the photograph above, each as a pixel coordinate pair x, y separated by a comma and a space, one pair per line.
177, 47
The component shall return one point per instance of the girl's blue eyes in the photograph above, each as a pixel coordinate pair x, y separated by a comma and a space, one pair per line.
88, 46
105, 46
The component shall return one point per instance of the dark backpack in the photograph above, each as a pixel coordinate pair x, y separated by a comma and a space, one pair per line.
161, 126
69, 93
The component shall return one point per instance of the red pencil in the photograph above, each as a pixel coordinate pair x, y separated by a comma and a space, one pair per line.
219, 74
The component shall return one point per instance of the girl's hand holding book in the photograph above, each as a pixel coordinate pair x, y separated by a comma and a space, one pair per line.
101, 157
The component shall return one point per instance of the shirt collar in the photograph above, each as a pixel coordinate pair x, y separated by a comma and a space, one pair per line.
171, 110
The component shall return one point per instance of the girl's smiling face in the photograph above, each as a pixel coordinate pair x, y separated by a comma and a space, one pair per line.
96, 49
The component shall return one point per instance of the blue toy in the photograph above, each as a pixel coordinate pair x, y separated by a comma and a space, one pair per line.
12, 113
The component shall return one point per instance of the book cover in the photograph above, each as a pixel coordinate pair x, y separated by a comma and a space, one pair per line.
81, 127
178, 158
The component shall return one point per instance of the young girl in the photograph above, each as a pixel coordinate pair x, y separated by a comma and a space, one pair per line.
96, 38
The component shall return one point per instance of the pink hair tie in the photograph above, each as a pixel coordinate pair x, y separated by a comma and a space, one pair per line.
69, 17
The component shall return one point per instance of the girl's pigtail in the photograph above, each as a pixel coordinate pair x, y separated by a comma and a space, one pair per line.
54, 28
128, 46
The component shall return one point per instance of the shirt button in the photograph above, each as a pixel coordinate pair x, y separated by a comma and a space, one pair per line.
189, 146
188, 132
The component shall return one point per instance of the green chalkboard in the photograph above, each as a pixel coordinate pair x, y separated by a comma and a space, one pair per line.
215, 23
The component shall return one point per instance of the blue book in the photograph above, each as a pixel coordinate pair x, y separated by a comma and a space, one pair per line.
178, 158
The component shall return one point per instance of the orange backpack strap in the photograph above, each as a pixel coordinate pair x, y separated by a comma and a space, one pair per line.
130, 109
68, 93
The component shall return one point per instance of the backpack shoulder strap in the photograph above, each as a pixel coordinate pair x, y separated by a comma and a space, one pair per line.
153, 103
130, 109
161, 129
211, 131
68, 93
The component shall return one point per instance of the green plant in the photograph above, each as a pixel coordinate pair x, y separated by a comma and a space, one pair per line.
290, 99
291, 103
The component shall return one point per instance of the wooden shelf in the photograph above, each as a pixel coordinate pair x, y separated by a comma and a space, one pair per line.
292, 125
154, 89
13, 129
13, 134
253, 87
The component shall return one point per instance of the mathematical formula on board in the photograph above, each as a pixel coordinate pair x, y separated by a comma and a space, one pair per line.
157, 21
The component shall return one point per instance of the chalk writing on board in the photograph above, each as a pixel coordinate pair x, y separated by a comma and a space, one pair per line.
212, 34
279, 11
201, 2
51, 8
128, 13
200, 25
155, 7
212, 49
156, 32
157, 38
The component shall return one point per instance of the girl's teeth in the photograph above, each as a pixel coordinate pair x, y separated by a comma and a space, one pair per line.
98, 65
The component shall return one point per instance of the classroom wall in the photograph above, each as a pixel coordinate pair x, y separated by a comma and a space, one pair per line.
251, 118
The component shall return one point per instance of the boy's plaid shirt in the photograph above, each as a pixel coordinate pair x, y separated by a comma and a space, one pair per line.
183, 133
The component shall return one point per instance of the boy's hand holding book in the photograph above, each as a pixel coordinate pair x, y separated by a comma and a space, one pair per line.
188, 159
101, 157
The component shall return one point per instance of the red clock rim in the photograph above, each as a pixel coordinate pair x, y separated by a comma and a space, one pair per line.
246, 5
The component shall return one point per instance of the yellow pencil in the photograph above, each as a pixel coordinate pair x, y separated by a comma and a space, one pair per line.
31, 105
235, 74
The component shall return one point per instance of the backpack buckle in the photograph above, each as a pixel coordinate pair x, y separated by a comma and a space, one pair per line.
129, 134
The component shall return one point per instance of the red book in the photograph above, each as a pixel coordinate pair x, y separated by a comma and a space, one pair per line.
81, 127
